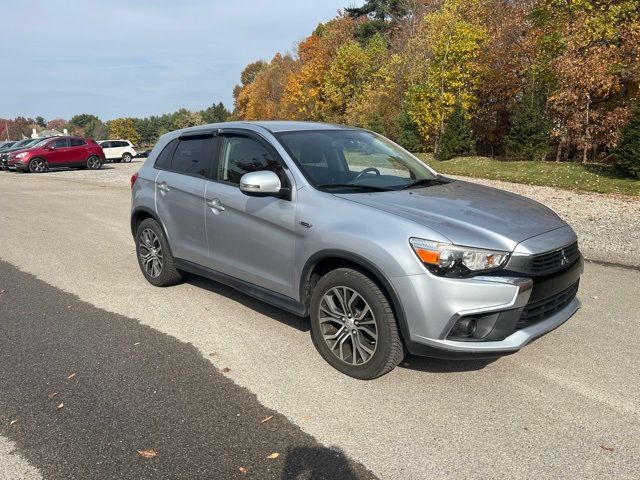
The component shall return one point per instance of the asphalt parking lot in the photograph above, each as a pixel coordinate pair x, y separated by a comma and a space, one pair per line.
564, 407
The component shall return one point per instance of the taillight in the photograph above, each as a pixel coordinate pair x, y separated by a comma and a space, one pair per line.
134, 177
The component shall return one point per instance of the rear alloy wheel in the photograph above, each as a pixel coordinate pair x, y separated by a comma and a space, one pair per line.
154, 256
126, 157
94, 163
37, 165
353, 326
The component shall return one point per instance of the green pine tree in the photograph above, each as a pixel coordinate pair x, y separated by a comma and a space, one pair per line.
528, 137
408, 136
627, 153
457, 139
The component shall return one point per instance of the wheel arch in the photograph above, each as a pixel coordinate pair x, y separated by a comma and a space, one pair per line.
327, 260
142, 213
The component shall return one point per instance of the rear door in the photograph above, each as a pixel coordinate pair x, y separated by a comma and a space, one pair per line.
106, 148
250, 238
180, 188
77, 151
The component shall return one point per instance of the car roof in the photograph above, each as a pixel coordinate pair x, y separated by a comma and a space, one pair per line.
273, 126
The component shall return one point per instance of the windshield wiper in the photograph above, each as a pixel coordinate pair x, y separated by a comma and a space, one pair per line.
351, 185
424, 182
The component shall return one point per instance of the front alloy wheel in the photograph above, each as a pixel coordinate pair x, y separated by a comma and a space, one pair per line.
126, 157
348, 325
353, 325
37, 165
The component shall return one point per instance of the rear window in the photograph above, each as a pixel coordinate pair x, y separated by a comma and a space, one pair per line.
193, 156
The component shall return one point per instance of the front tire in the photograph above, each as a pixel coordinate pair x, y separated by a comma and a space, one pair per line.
37, 165
126, 157
154, 256
353, 326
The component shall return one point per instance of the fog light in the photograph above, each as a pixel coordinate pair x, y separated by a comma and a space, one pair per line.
464, 328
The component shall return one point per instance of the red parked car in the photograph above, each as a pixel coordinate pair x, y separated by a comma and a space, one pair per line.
57, 152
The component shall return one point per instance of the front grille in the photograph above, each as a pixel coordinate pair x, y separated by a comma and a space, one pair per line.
537, 311
553, 261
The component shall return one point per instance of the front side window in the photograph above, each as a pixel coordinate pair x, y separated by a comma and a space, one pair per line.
60, 143
354, 160
193, 156
242, 155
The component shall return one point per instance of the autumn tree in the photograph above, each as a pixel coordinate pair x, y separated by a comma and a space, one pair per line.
123, 128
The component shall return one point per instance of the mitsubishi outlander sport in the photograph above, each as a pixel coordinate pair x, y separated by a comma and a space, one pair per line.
341, 225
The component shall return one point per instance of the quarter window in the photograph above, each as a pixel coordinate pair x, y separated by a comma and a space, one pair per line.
242, 155
76, 142
193, 156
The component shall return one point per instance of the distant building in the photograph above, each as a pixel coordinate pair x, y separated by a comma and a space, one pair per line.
48, 133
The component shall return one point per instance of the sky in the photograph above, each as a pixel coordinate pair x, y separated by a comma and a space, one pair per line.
118, 58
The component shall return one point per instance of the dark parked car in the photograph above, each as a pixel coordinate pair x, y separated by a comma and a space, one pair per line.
57, 152
15, 146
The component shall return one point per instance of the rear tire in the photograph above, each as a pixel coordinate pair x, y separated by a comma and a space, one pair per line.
154, 255
353, 326
94, 163
126, 157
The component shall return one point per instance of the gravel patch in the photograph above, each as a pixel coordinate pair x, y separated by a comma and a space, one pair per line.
608, 225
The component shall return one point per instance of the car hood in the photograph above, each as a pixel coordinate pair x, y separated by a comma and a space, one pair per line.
467, 214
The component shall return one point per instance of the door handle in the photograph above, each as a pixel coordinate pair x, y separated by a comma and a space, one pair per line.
163, 187
216, 204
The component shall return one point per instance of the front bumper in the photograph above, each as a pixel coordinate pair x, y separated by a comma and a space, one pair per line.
511, 311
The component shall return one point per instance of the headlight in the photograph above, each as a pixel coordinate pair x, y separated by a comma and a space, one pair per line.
20, 155
450, 260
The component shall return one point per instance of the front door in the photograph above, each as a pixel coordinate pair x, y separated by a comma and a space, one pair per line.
58, 150
180, 197
250, 238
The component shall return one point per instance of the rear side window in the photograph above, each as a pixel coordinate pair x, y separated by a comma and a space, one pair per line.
163, 161
193, 156
76, 142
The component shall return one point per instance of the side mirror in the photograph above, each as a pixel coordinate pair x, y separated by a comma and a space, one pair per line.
264, 183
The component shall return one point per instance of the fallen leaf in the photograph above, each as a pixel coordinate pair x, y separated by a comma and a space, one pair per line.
71, 376
61, 406
605, 448
137, 343
273, 455
306, 418
243, 470
147, 453
12, 422
213, 354
52, 394
267, 419
595, 297
2, 290
225, 370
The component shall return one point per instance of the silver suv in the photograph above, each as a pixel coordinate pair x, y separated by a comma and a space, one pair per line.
342, 225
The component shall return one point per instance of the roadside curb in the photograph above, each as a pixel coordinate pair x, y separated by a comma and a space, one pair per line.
628, 262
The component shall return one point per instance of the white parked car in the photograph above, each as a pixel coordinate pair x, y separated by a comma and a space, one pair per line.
118, 150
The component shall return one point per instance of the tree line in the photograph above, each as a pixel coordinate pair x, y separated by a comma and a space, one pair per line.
527, 79
140, 131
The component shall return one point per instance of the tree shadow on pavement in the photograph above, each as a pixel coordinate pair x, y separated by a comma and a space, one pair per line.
311, 463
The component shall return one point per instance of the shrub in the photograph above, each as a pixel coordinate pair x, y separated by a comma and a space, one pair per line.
627, 153
528, 137
457, 138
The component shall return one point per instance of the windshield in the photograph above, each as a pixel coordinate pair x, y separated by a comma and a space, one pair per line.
349, 161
